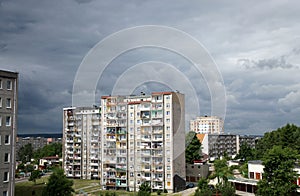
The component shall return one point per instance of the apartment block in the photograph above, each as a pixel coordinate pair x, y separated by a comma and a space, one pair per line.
216, 145
8, 130
81, 142
143, 140
207, 125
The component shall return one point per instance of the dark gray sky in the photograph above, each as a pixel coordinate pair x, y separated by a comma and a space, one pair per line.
256, 45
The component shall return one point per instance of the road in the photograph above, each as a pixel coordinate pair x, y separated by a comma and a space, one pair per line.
186, 192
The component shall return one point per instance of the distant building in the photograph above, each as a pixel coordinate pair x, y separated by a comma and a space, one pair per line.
217, 145
36, 142
207, 125
8, 130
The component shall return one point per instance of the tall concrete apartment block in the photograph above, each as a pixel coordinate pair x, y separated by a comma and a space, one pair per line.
207, 124
130, 140
143, 140
8, 129
81, 142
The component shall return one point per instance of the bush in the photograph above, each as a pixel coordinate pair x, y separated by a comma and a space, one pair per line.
159, 192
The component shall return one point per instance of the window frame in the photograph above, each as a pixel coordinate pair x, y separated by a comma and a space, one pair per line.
6, 157
8, 85
8, 139
6, 176
8, 102
8, 123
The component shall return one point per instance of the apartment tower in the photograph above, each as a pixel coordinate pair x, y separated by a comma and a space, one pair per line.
143, 140
8, 130
207, 124
81, 142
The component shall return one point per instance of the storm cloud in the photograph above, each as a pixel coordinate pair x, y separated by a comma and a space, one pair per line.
255, 45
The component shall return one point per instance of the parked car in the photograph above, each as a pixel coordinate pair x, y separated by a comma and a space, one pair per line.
190, 185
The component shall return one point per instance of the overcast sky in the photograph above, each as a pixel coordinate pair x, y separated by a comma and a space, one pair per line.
255, 44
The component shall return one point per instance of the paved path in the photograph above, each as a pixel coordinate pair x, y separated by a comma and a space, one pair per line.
186, 192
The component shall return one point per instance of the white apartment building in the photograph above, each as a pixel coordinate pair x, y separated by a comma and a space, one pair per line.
207, 124
143, 140
131, 140
8, 130
81, 142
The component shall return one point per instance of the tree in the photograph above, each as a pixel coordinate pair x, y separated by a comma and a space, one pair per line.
222, 171
49, 150
144, 189
25, 153
226, 189
58, 184
245, 152
29, 168
34, 175
203, 188
193, 150
278, 175
287, 136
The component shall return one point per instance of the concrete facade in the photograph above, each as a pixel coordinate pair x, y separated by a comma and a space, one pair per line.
136, 138
8, 130
81, 142
207, 125
143, 141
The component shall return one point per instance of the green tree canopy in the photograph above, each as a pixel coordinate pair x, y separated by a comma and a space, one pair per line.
245, 153
144, 189
203, 188
52, 149
222, 171
35, 174
193, 149
278, 174
25, 153
58, 184
287, 136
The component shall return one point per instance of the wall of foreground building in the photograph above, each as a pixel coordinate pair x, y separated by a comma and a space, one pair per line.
8, 130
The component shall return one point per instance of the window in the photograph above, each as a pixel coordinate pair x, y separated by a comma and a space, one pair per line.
0, 102
252, 175
168, 175
6, 158
168, 112
168, 168
8, 103
8, 85
6, 139
0, 84
8, 120
5, 177
5, 193
0, 121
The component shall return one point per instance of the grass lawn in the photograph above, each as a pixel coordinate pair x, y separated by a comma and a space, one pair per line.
28, 188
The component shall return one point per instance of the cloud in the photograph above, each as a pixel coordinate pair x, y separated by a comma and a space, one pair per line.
257, 51
272, 63
290, 102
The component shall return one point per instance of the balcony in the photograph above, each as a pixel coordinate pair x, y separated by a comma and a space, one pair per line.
94, 164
